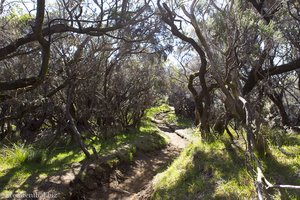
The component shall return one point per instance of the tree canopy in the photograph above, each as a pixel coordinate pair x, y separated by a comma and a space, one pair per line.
92, 68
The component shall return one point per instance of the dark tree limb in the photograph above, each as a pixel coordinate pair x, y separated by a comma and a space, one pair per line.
259, 7
56, 28
256, 76
277, 100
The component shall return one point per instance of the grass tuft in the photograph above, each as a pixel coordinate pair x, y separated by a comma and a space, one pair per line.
15, 155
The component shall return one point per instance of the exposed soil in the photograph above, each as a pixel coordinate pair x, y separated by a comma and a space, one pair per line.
175, 139
55, 184
128, 180
134, 181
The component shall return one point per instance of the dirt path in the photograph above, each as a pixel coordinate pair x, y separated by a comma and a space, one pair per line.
128, 182
177, 137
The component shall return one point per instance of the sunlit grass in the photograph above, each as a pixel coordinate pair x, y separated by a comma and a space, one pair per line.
170, 116
217, 170
14, 155
283, 166
203, 171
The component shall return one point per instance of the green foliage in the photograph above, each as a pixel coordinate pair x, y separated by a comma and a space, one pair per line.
17, 14
163, 108
150, 142
37, 156
113, 162
282, 167
247, 18
21, 19
25, 18
125, 155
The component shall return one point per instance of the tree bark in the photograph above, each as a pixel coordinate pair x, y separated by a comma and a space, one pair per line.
72, 124
277, 100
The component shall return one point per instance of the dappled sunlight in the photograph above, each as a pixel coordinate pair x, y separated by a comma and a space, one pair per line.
153, 99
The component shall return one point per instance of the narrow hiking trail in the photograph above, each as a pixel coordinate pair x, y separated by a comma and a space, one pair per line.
132, 181
127, 181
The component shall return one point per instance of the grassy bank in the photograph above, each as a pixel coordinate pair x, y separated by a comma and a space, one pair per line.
217, 170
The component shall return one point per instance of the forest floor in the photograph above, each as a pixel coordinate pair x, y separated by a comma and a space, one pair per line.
128, 180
